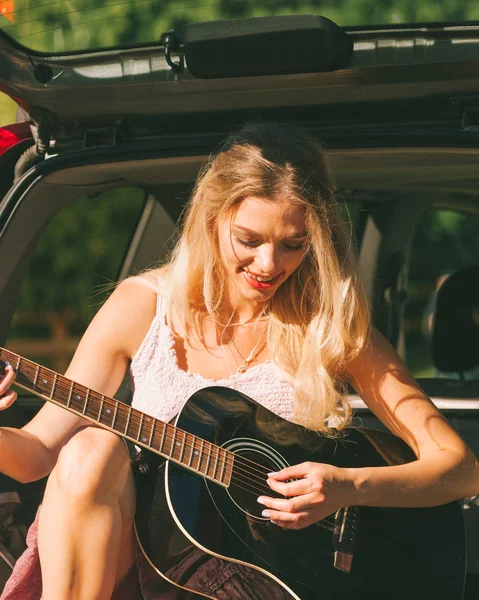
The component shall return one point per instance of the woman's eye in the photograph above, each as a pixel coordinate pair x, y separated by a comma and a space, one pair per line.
247, 244
293, 248
256, 244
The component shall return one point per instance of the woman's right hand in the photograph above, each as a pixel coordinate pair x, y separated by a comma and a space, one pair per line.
7, 396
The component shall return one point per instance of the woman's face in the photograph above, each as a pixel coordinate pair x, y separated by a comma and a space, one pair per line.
262, 245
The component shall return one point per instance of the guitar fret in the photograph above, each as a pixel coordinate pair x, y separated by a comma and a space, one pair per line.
223, 466
190, 460
160, 449
70, 395
202, 445
215, 466
152, 433
128, 419
102, 402
208, 459
229, 465
18, 363
53, 386
182, 451
85, 404
36, 375
114, 416
173, 443
139, 428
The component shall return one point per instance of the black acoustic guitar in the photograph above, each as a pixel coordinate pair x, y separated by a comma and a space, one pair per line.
199, 524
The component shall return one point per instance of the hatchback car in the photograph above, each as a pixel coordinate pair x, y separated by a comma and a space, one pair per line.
119, 108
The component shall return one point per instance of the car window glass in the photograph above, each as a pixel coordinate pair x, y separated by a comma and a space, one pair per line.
71, 25
445, 241
71, 271
8, 109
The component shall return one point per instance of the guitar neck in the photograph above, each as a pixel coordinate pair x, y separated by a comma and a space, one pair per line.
191, 452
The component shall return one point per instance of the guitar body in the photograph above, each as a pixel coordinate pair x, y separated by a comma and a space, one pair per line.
198, 534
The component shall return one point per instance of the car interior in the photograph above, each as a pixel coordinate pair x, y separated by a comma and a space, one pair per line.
386, 194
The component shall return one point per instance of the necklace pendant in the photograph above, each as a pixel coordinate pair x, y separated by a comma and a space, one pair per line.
243, 368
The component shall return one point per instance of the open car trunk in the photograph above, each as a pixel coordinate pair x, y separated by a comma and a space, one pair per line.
399, 121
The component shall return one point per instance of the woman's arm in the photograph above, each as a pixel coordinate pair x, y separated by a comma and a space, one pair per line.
99, 363
445, 468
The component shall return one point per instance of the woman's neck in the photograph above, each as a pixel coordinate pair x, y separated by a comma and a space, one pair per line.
243, 315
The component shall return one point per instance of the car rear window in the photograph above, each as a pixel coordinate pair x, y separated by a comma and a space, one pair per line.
63, 26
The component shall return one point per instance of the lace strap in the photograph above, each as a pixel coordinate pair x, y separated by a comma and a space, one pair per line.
161, 307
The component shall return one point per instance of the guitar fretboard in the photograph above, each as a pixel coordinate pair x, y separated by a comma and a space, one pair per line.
186, 449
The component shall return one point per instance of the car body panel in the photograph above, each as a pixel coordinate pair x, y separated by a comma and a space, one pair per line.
106, 87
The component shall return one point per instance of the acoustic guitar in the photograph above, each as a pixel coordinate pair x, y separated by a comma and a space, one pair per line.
199, 524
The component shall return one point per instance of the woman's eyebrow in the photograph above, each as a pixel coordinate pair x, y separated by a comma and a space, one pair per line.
255, 233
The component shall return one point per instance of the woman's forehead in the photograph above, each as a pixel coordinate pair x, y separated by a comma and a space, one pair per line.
254, 213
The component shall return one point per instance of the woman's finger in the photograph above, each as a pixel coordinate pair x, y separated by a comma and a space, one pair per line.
7, 399
297, 504
297, 487
293, 472
7, 379
289, 520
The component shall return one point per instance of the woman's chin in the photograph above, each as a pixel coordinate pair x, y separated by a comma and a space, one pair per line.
256, 294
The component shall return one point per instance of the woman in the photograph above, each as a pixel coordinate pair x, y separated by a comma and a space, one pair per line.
261, 294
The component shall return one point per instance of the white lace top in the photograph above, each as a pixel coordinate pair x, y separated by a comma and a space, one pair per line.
160, 387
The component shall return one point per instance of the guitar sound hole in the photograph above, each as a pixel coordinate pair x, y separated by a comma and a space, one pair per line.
253, 461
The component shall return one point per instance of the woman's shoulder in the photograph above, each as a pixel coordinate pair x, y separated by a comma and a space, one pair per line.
147, 285
131, 308
154, 280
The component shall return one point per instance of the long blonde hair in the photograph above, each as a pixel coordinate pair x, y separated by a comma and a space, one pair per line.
318, 318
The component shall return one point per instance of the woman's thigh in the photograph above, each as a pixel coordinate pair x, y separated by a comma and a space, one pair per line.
93, 471
95, 464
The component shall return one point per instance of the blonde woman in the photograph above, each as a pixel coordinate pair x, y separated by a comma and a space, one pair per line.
260, 295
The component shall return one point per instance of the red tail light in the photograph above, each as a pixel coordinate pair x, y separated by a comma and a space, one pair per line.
6, 9
12, 134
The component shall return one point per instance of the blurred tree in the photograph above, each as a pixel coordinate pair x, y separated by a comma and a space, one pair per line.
82, 249
73, 267
72, 25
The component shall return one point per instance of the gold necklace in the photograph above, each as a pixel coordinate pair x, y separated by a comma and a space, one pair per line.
251, 356
255, 320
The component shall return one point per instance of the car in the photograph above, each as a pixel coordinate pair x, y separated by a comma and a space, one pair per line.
111, 134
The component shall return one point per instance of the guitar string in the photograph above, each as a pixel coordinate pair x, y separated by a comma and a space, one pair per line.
251, 485
245, 485
94, 403
326, 522
259, 468
238, 460
234, 479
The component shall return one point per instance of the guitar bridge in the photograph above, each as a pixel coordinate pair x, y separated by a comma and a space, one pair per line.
344, 537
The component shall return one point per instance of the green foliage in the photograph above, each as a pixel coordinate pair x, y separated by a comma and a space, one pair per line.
80, 253
69, 25
445, 241
8, 110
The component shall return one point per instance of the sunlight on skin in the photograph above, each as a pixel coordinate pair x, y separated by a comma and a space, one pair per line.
270, 246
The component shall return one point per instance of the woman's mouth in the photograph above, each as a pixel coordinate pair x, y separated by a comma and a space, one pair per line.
258, 282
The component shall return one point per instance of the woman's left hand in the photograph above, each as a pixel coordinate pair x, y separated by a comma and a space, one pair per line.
312, 490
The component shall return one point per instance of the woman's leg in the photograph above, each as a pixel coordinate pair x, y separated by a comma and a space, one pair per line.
85, 536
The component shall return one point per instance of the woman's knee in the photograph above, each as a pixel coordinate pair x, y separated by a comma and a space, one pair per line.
94, 463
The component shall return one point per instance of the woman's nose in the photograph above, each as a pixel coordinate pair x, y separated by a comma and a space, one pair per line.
267, 259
